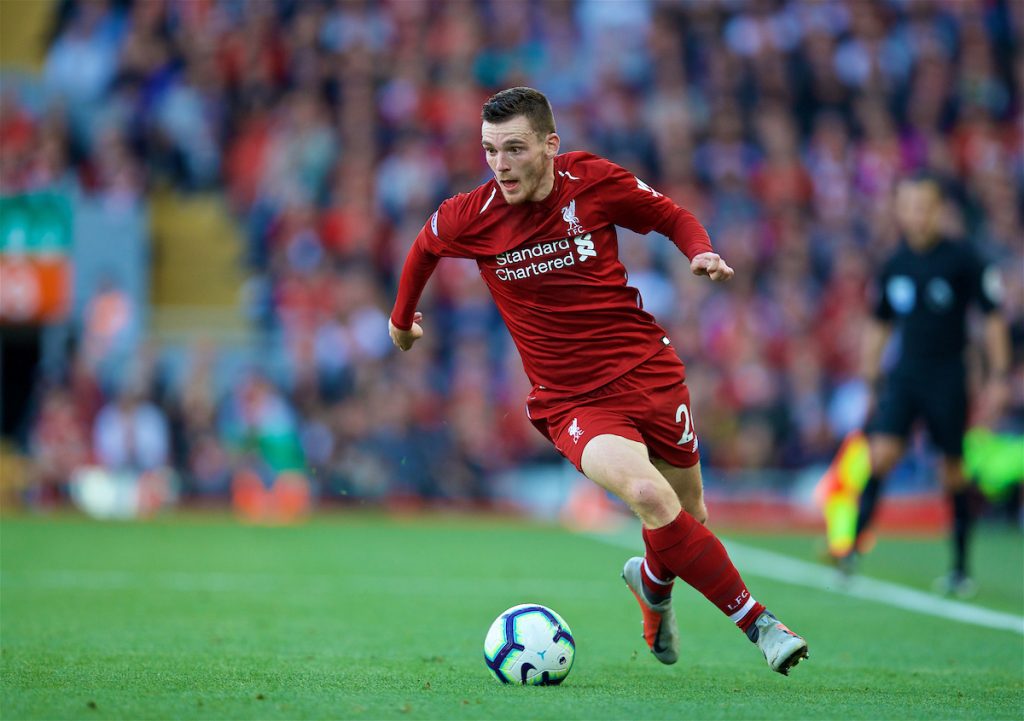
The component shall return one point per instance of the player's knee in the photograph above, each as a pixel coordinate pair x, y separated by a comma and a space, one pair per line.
884, 457
952, 476
647, 496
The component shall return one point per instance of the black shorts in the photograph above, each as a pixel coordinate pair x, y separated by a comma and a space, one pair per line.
936, 394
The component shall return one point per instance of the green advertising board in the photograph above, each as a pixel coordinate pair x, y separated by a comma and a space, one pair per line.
35, 263
35, 224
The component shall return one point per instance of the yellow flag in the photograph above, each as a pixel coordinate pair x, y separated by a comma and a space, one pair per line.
838, 492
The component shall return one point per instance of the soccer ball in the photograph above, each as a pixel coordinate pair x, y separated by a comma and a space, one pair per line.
530, 644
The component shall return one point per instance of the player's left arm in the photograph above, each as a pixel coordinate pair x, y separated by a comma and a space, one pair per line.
996, 392
635, 205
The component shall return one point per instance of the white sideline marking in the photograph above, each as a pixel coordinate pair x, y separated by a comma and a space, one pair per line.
778, 567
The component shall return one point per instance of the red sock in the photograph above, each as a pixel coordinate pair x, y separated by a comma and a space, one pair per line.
657, 578
691, 552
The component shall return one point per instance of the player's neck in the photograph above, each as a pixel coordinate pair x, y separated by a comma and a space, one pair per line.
546, 185
922, 243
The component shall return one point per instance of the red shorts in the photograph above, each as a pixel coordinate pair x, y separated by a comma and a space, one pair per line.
649, 404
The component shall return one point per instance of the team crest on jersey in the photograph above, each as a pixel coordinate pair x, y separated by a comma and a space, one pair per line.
569, 216
902, 294
992, 285
940, 295
575, 431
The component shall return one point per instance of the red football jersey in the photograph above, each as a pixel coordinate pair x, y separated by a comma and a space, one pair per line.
553, 268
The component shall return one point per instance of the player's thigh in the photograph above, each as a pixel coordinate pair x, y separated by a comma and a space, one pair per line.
944, 404
897, 406
951, 474
623, 467
573, 427
666, 420
688, 486
890, 423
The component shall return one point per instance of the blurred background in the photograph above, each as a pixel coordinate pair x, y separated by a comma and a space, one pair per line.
205, 205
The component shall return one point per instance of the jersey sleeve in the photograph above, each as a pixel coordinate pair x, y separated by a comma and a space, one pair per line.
439, 230
633, 204
419, 266
881, 308
986, 284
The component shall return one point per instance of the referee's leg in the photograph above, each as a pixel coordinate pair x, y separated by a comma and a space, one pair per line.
946, 419
887, 432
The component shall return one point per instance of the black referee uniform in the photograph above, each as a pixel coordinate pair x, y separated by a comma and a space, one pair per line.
926, 297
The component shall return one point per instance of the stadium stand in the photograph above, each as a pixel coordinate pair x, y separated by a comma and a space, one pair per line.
274, 160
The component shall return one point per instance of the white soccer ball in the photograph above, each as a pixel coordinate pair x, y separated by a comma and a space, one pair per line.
530, 644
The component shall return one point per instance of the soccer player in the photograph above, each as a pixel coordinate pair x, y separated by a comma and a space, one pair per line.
924, 292
608, 390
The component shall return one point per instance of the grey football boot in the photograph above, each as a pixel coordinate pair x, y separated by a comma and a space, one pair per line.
782, 648
660, 630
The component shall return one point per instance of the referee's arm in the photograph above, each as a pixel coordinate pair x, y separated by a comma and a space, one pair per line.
876, 336
997, 346
988, 295
996, 391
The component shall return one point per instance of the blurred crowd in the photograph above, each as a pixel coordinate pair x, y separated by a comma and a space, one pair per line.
336, 128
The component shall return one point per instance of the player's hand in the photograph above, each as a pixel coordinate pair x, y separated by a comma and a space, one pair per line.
405, 338
994, 397
872, 391
711, 265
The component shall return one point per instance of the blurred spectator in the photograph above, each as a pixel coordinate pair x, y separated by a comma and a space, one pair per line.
131, 434
59, 445
335, 128
132, 474
109, 330
199, 451
260, 429
84, 57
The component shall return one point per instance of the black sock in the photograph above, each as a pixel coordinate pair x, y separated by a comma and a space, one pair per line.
868, 503
960, 505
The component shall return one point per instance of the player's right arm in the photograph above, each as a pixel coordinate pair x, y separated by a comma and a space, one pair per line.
876, 336
404, 323
877, 330
435, 240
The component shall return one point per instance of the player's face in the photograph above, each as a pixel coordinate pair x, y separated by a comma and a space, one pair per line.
522, 161
917, 211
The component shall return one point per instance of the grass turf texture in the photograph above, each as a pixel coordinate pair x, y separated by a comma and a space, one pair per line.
359, 616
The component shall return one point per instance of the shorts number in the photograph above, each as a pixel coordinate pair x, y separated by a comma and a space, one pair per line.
683, 416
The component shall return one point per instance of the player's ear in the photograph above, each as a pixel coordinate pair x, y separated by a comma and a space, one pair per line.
551, 144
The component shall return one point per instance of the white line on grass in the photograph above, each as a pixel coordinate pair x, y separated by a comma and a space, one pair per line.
778, 567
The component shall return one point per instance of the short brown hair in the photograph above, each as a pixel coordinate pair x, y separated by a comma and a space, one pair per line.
530, 103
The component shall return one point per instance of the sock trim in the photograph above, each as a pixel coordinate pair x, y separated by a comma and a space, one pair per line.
738, 616
652, 578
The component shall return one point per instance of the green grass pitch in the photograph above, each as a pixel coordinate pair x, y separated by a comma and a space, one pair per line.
362, 616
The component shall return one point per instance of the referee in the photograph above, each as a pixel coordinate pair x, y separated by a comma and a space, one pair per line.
924, 293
